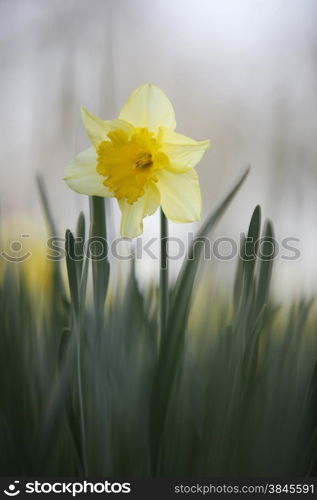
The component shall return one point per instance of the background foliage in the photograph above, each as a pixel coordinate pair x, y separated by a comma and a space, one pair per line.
227, 388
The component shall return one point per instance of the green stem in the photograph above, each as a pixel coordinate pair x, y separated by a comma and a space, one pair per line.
100, 265
163, 277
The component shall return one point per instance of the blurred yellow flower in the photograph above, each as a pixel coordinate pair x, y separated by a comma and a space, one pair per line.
24, 250
141, 161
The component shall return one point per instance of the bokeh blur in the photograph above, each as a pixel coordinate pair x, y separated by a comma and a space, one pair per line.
105, 372
241, 73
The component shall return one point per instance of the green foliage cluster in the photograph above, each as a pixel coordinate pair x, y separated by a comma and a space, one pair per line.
103, 391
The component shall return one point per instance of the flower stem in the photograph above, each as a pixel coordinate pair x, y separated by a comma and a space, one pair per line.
100, 264
163, 277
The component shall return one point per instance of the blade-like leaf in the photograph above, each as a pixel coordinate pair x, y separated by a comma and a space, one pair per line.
52, 230
71, 269
80, 242
251, 245
266, 263
46, 206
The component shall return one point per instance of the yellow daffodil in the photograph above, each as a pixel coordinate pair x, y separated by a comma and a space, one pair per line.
140, 160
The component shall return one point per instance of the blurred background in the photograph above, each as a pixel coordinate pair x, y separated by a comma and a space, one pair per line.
241, 73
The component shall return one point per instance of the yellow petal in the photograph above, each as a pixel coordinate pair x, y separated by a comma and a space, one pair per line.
132, 215
180, 195
183, 152
81, 175
98, 129
148, 107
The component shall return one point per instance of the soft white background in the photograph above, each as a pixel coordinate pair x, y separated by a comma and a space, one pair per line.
240, 72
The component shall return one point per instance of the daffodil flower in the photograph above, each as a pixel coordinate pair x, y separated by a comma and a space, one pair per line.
140, 160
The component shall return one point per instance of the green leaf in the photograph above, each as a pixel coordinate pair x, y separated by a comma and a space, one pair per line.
268, 248
80, 242
72, 269
46, 205
249, 254
52, 230
245, 296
